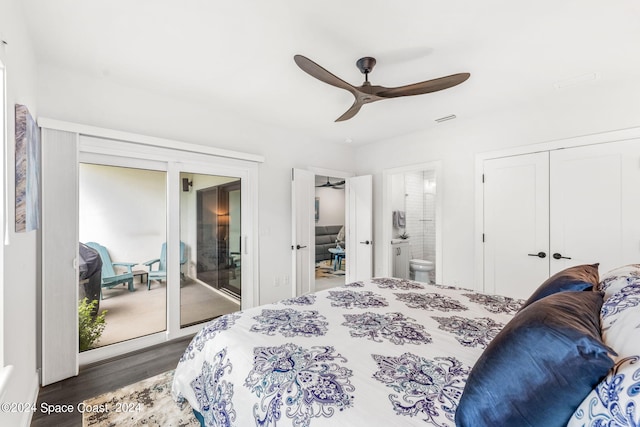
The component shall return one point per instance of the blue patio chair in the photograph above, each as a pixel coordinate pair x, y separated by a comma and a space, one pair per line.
110, 278
160, 271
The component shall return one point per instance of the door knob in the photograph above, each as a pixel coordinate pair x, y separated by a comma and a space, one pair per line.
366, 242
300, 247
559, 256
539, 254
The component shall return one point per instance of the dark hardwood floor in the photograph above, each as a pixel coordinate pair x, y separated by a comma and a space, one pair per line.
103, 377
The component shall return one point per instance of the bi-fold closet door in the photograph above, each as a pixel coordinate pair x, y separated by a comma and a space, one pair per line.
547, 211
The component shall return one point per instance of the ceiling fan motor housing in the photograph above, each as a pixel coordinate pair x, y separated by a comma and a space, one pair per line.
366, 64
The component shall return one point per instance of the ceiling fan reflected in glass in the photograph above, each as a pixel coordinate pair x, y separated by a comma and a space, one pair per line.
336, 185
367, 93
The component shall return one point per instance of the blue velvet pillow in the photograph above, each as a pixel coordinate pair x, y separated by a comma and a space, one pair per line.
578, 278
540, 367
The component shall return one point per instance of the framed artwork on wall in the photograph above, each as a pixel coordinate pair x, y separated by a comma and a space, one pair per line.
27, 179
317, 209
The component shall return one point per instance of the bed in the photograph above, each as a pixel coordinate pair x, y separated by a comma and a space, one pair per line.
397, 352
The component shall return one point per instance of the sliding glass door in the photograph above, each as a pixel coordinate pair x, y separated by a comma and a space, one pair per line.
122, 233
123, 225
211, 257
173, 226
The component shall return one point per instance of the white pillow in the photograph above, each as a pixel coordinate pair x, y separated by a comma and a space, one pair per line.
616, 279
616, 399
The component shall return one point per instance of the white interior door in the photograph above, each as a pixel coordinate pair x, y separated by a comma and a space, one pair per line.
516, 224
359, 250
595, 200
302, 231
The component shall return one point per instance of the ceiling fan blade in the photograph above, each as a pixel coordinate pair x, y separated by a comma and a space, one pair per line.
326, 184
314, 70
428, 86
350, 112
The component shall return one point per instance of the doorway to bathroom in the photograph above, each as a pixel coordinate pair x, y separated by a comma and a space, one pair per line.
412, 222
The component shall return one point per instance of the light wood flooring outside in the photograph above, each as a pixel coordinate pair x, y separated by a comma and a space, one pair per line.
143, 312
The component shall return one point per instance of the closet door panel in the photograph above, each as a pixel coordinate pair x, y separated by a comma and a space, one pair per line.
516, 224
594, 203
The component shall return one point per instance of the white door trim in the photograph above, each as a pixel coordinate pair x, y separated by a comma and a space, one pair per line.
146, 140
387, 260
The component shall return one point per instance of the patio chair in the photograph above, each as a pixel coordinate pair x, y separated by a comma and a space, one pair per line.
160, 271
110, 278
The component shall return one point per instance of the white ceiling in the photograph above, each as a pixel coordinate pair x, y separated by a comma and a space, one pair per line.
240, 53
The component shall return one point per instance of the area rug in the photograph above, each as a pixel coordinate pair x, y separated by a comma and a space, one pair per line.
325, 269
145, 403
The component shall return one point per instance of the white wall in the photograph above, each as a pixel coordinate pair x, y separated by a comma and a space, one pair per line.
591, 108
21, 258
95, 101
332, 211
119, 206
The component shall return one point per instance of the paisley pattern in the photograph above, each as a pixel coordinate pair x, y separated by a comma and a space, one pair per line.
354, 299
393, 283
615, 400
471, 332
496, 303
394, 327
354, 285
620, 277
290, 323
426, 388
626, 298
309, 383
308, 299
377, 352
209, 331
214, 393
430, 301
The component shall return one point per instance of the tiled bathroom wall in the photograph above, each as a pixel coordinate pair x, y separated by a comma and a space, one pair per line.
420, 213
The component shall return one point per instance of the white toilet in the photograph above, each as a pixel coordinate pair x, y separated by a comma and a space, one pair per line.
420, 270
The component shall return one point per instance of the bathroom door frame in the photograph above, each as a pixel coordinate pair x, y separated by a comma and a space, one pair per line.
386, 266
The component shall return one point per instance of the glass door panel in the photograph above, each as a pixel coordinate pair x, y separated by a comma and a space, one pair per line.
122, 225
210, 232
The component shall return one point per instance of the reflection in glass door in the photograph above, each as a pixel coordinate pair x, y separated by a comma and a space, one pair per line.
210, 232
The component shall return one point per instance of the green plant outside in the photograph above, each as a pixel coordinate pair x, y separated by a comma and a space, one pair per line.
89, 327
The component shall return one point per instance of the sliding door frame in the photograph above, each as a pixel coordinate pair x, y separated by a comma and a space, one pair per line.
135, 150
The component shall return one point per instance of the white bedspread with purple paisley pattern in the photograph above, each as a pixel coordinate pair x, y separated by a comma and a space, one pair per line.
386, 352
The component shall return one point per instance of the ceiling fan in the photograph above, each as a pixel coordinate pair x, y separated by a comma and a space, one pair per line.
335, 185
367, 93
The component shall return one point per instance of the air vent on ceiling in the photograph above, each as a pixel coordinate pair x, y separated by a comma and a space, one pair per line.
575, 80
445, 118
